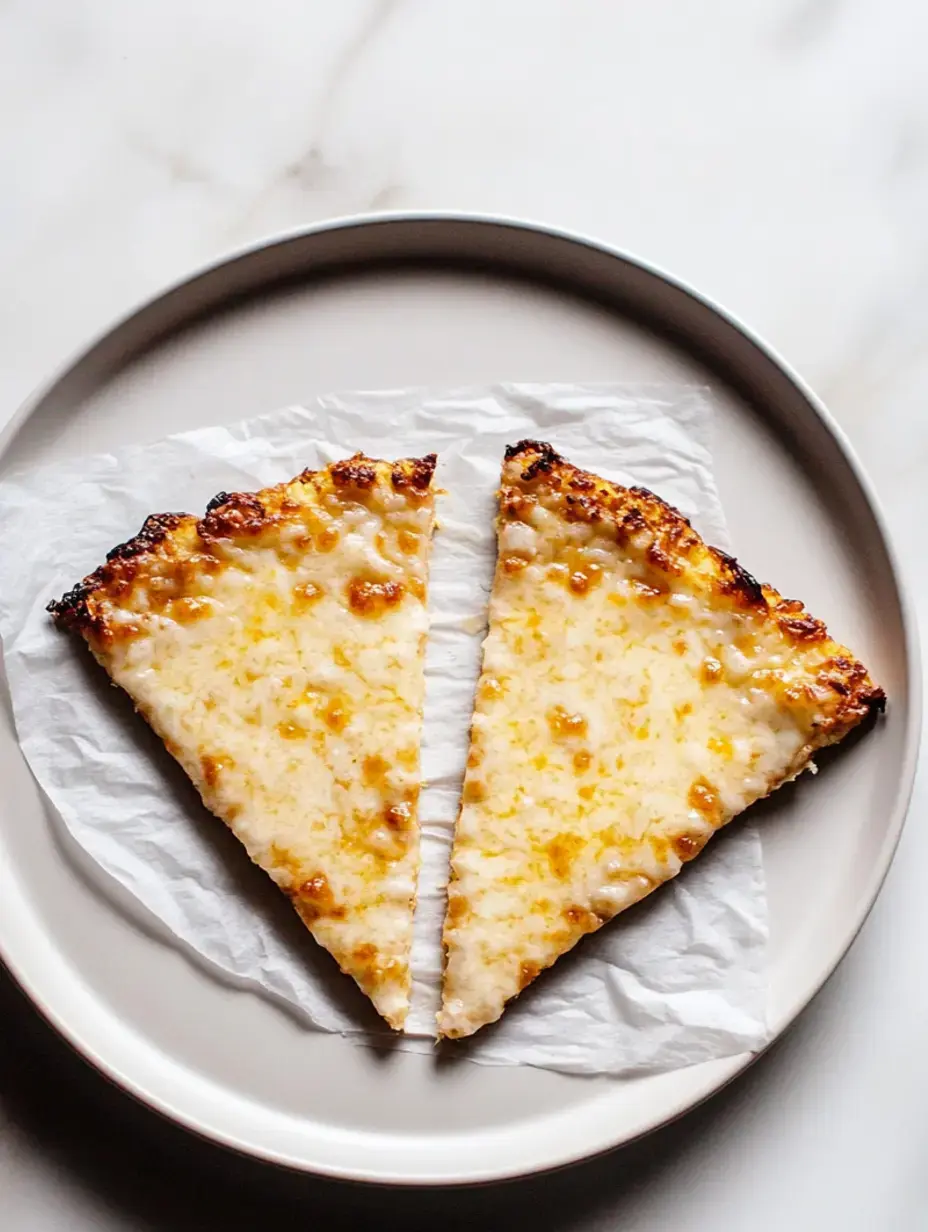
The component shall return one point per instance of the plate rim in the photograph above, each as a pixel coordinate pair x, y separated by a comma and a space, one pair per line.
723, 1070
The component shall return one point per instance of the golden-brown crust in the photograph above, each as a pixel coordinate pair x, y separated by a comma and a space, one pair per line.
667, 545
181, 539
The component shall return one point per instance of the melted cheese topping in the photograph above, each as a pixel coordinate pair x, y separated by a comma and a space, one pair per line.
621, 719
286, 674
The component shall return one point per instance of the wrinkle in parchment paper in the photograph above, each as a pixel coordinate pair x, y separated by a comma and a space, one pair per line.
677, 980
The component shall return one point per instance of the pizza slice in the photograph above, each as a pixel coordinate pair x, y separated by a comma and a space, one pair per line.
639, 690
277, 647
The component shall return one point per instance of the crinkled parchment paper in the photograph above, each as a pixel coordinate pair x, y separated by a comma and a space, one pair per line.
677, 980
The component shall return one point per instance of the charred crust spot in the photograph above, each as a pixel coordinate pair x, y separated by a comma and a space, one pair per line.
875, 700
355, 472
661, 560
582, 483
515, 503
73, 609
154, 529
737, 582
803, 628
414, 473
545, 458
241, 513
582, 508
858, 695
632, 522
219, 499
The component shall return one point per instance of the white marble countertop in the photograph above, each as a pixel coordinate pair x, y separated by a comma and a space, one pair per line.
774, 153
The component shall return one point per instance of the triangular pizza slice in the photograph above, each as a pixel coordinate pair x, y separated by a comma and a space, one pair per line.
277, 646
639, 690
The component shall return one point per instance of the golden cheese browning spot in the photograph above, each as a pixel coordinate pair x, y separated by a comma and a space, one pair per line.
408, 542
722, 745
648, 590
559, 572
398, 817
290, 731
374, 770
527, 972
643, 731
370, 968
681, 711
458, 909
372, 598
210, 766
314, 899
540, 762
679, 646
336, 714
409, 758
580, 918
307, 594
187, 609
416, 588
803, 628
514, 564
704, 798
564, 726
474, 757
686, 846
710, 671
587, 792
490, 688
474, 791
339, 658
660, 846
562, 851
326, 540
583, 580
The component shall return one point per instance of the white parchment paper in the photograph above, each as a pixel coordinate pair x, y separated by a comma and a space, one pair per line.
676, 980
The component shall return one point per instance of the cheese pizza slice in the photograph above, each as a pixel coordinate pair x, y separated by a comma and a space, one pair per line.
639, 690
277, 647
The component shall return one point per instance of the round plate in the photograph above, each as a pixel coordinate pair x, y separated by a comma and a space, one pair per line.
441, 300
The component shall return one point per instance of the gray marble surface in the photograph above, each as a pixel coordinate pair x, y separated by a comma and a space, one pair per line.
774, 153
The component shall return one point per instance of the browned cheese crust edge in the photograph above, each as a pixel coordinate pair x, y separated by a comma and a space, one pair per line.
663, 538
229, 515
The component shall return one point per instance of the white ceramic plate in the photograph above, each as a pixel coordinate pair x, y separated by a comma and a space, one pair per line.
401, 300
